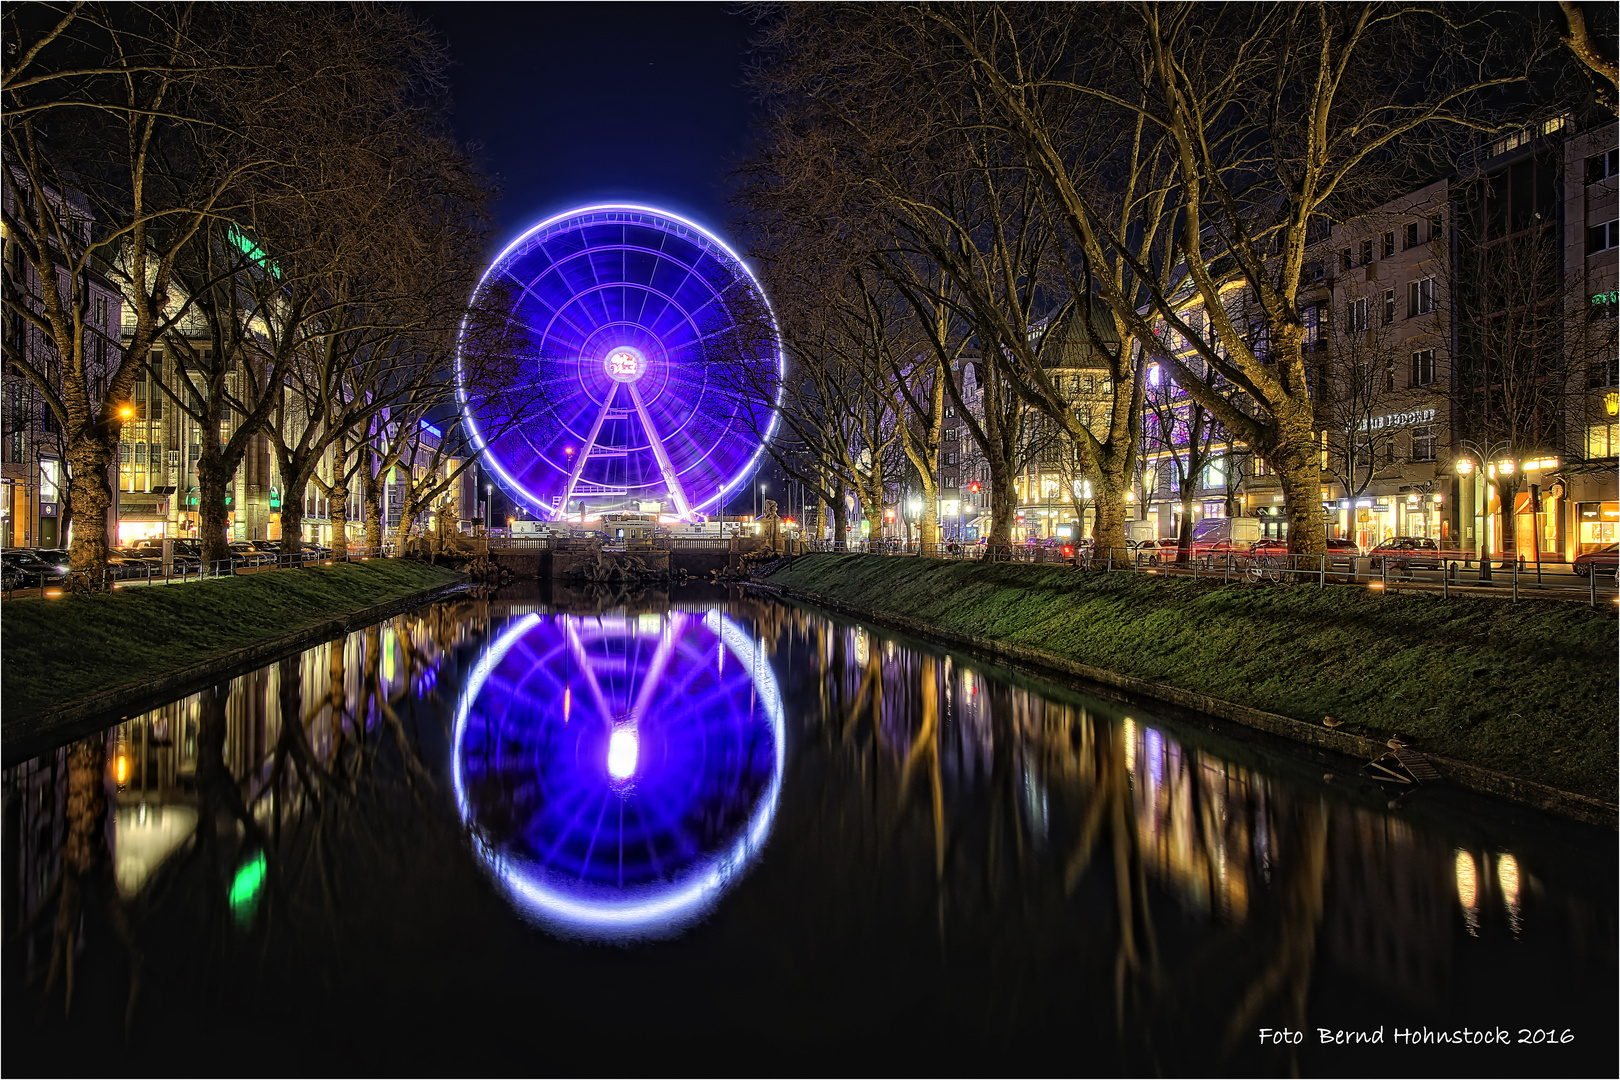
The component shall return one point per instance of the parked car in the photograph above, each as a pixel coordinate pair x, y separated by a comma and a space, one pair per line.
1342, 554
184, 557
1221, 536
1605, 560
1407, 553
25, 569
251, 553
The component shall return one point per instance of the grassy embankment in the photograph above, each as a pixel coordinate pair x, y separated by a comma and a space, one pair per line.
56, 650
1528, 688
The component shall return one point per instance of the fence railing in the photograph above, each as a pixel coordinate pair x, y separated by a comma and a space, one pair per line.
1442, 571
180, 570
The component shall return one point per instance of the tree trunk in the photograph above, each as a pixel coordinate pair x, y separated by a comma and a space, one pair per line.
1111, 507
371, 496
1507, 496
840, 512
1299, 472
339, 498
1184, 535
212, 481
874, 521
928, 524
292, 515
89, 456
1003, 509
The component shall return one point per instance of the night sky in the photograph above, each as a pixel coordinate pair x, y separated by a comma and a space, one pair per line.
575, 103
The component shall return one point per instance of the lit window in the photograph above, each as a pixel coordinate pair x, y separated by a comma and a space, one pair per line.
1601, 440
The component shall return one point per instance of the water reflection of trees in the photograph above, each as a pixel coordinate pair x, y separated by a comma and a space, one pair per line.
247, 787
1223, 889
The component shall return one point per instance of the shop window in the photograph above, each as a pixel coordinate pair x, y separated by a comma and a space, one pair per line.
1410, 239
1600, 440
1423, 444
1602, 166
1602, 237
1422, 368
1420, 298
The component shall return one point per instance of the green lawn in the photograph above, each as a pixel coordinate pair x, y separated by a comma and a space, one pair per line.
1527, 688
56, 650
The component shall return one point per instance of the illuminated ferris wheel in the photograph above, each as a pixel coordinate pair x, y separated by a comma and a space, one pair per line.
632, 311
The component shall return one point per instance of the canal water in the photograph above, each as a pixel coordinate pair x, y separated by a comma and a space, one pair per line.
711, 832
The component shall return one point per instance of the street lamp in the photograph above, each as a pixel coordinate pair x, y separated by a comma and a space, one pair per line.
489, 496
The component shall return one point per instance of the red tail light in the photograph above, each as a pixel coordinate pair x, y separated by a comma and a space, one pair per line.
1067, 551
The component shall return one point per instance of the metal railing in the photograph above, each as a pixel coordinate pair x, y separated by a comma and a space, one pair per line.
1445, 571
180, 571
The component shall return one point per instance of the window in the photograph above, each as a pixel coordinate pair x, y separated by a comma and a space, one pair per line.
1389, 375
1602, 237
950, 410
1313, 271
1257, 466
1420, 298
1422, 368
1389, 244
1366, 252
1601, 440
1313, 327
1389, 306
1602, 166
1355, 316
1214, 474
1410, 240
1423, 443
1345, 262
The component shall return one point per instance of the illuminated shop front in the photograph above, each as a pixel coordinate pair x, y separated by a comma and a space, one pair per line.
1596, 524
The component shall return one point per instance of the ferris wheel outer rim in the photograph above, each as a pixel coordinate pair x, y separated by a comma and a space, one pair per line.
487, 458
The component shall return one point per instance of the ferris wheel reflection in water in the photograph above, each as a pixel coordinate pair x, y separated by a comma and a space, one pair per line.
619, 773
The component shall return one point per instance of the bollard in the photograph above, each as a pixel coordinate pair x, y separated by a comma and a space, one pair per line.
1445, 583
1321, 574
1516, 582
1591, 586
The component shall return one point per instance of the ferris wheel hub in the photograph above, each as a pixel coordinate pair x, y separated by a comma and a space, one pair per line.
624, 364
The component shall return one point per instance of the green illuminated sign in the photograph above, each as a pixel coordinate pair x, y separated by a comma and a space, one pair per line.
246, 887
253, 251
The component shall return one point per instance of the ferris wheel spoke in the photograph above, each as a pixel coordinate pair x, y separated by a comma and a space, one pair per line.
582, 658
660, 454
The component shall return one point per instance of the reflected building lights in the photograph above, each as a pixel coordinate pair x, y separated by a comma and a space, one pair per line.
1507, 874
1468, 890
